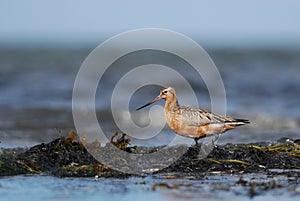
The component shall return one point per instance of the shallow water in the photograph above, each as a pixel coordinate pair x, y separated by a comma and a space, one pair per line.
210, 187
36, 94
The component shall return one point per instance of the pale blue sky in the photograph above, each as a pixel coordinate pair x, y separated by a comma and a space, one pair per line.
211, 22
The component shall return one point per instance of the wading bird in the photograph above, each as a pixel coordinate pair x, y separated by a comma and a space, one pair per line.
192, 122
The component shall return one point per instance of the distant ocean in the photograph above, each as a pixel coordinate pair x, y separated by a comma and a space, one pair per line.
36, 94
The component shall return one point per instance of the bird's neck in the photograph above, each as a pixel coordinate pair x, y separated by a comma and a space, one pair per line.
171, 103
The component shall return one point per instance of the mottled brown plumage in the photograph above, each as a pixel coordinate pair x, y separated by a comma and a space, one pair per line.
192, 122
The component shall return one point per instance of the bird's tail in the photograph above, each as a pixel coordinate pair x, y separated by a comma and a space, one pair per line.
237, 122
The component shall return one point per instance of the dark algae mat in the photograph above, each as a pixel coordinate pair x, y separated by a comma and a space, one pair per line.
68, 157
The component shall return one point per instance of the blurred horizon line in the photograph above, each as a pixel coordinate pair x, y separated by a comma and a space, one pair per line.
211, 43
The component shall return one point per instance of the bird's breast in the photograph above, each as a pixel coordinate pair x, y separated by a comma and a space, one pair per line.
172, 120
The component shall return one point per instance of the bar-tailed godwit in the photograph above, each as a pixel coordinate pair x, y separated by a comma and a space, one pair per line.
192, 122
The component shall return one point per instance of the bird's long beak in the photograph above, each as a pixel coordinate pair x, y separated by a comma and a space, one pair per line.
153, 101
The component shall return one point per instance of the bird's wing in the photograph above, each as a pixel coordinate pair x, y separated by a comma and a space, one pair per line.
198, 117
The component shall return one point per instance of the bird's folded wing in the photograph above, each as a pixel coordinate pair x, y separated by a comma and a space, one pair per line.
198, 117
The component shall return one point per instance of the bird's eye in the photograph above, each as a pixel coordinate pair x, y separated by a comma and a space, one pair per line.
165, 92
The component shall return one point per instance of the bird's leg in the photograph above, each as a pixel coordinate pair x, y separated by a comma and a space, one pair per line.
196, 140
214, 140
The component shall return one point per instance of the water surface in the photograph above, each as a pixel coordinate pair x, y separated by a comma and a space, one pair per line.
36, 94
210, 187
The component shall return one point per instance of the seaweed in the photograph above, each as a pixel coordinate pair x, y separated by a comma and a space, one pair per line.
68, 157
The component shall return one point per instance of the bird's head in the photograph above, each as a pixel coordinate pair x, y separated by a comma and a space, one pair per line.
167, 93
